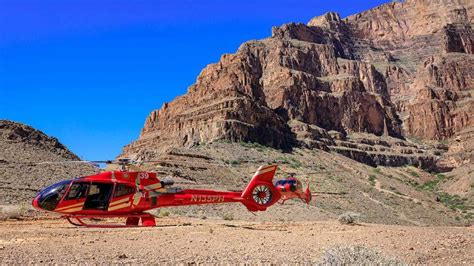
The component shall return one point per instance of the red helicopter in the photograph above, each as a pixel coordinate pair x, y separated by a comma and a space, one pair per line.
129, 194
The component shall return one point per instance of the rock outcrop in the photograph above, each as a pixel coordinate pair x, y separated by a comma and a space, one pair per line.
16, 133
399, 70
22, 145
459, 38
443, 105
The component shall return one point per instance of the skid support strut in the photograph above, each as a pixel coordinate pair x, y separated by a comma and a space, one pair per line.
133, 220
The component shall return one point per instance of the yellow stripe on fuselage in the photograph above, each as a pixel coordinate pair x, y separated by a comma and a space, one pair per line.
154, 186
70, 206
119, 201
119, 206
73, 209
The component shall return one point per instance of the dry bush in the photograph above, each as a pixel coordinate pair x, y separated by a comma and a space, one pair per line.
356, 255
228, 217
13, 212
348, 218
164, 213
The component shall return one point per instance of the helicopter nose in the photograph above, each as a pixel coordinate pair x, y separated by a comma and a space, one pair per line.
35, 203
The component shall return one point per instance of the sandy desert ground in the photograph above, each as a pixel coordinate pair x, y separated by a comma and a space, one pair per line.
193, 240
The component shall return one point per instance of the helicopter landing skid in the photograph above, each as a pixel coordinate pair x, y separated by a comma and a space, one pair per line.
148, 220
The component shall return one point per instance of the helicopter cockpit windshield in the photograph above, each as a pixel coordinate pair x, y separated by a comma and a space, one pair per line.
290, 183
49, 197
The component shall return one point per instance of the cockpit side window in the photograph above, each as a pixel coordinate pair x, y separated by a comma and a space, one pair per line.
77, 191
280, 182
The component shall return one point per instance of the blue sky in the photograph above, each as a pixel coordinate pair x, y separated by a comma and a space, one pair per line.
89, 72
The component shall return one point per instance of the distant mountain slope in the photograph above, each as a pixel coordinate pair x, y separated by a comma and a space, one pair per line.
20, 144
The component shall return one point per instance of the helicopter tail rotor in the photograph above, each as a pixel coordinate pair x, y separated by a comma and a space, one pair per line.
260, 192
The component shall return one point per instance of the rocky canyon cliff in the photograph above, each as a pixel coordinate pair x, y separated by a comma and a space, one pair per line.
362, 86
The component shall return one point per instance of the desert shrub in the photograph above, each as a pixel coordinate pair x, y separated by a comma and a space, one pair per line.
164, 213
235, 162
433, 184
356, 255
413, 183
12, 212
295, 163
372, 179
228, 217
453, 202
253, 145
413, 173
348, 218
282, 160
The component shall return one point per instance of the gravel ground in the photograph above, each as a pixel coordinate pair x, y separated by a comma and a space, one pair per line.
192, 240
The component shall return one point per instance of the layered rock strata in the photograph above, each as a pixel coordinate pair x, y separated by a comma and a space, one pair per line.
399, 70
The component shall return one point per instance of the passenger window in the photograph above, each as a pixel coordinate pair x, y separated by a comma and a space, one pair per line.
94, 190
122, 190
77, 191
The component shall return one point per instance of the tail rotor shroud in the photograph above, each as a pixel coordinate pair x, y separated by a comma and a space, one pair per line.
262, 194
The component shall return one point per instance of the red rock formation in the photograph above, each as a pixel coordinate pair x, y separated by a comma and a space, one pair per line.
364, 73
443, 105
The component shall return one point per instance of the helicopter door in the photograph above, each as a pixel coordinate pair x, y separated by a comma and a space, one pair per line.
75, 197
122, 201
99, 196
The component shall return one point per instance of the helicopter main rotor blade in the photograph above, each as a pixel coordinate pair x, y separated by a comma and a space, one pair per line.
150, 161
57, 162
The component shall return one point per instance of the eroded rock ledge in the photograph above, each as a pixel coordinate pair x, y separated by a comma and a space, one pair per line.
396, 71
